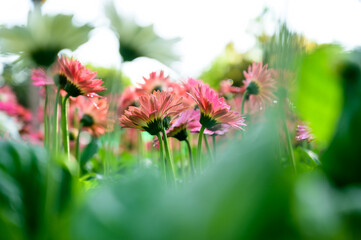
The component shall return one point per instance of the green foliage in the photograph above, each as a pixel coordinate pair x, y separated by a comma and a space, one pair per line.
319, 91
233, 200
35, 193
88, 152
229, 65
342, 158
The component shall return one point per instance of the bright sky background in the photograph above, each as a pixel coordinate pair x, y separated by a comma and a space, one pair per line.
205, 26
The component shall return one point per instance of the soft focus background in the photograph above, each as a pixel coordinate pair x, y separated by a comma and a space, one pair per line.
204, 27
294, 173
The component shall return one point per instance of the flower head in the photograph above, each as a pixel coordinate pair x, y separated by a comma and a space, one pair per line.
138, 41
41, 39
153, 110
214, 110
94, 115
126, 99
40, 78
304, 133
155, 82
76, 79
227, 88
195, 126
259, 84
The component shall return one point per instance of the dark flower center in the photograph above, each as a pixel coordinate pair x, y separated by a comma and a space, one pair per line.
207, 121
154, 127
72, 89
128, 53
253, 88
60, 80
87, 120
181, 134
157, 88
166, 122
44, 56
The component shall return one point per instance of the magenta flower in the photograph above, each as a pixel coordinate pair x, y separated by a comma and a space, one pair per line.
40, 78
151, 113
304, 133
214, 110
77, 80
195, 126
259, 85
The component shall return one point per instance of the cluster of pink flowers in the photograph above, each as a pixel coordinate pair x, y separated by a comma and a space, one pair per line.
188, 105
157, 103
20, 115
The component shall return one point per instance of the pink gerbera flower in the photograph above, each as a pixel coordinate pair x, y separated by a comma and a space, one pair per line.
259, 85
95, 115
40, 78
304, 133
214, 110
126, 99
227, 88
195, 126
155, 82
152, 112
76, 79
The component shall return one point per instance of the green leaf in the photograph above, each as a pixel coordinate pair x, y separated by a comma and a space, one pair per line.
319, 97
89, 151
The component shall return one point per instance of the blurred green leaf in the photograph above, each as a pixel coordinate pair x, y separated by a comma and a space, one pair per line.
34, 194
319, 94
341, 160
89, 151
244, 192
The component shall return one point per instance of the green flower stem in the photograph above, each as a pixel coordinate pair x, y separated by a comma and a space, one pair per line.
162, 160
56, 122
289, 146
207, 146
167, 152
46, 119
199, 149
243, 101
65, 126
190, 157
77, 149
181, 159
214, 146
140, 148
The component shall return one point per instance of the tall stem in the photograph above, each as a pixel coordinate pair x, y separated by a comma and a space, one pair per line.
243, 101
46, 119
207, 146
140, 148
214, 146
77, 149
289, 146
65, 126
56, 122
162, 160
181, 159
199, 149
190, 157
167, 152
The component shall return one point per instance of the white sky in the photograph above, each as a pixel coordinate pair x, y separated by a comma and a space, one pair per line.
205, 26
